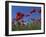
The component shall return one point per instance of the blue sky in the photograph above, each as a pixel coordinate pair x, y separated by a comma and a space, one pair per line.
25, 10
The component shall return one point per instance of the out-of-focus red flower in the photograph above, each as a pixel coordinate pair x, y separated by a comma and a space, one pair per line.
19, 15
33, 11
39, 11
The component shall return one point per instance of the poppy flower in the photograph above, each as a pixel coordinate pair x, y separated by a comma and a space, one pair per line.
19, 16
33, 11
39, 11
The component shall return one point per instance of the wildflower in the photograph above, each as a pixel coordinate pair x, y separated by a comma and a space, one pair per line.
19, 16
39, 11
33, 11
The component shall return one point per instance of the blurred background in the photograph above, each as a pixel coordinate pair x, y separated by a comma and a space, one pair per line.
26, 18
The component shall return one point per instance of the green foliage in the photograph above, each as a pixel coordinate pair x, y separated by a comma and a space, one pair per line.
29, 26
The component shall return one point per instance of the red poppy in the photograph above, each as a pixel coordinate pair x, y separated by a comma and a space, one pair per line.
33, 11
39, 11
19, 16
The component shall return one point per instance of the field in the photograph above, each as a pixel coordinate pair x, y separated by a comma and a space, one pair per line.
26, 18
29, 26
